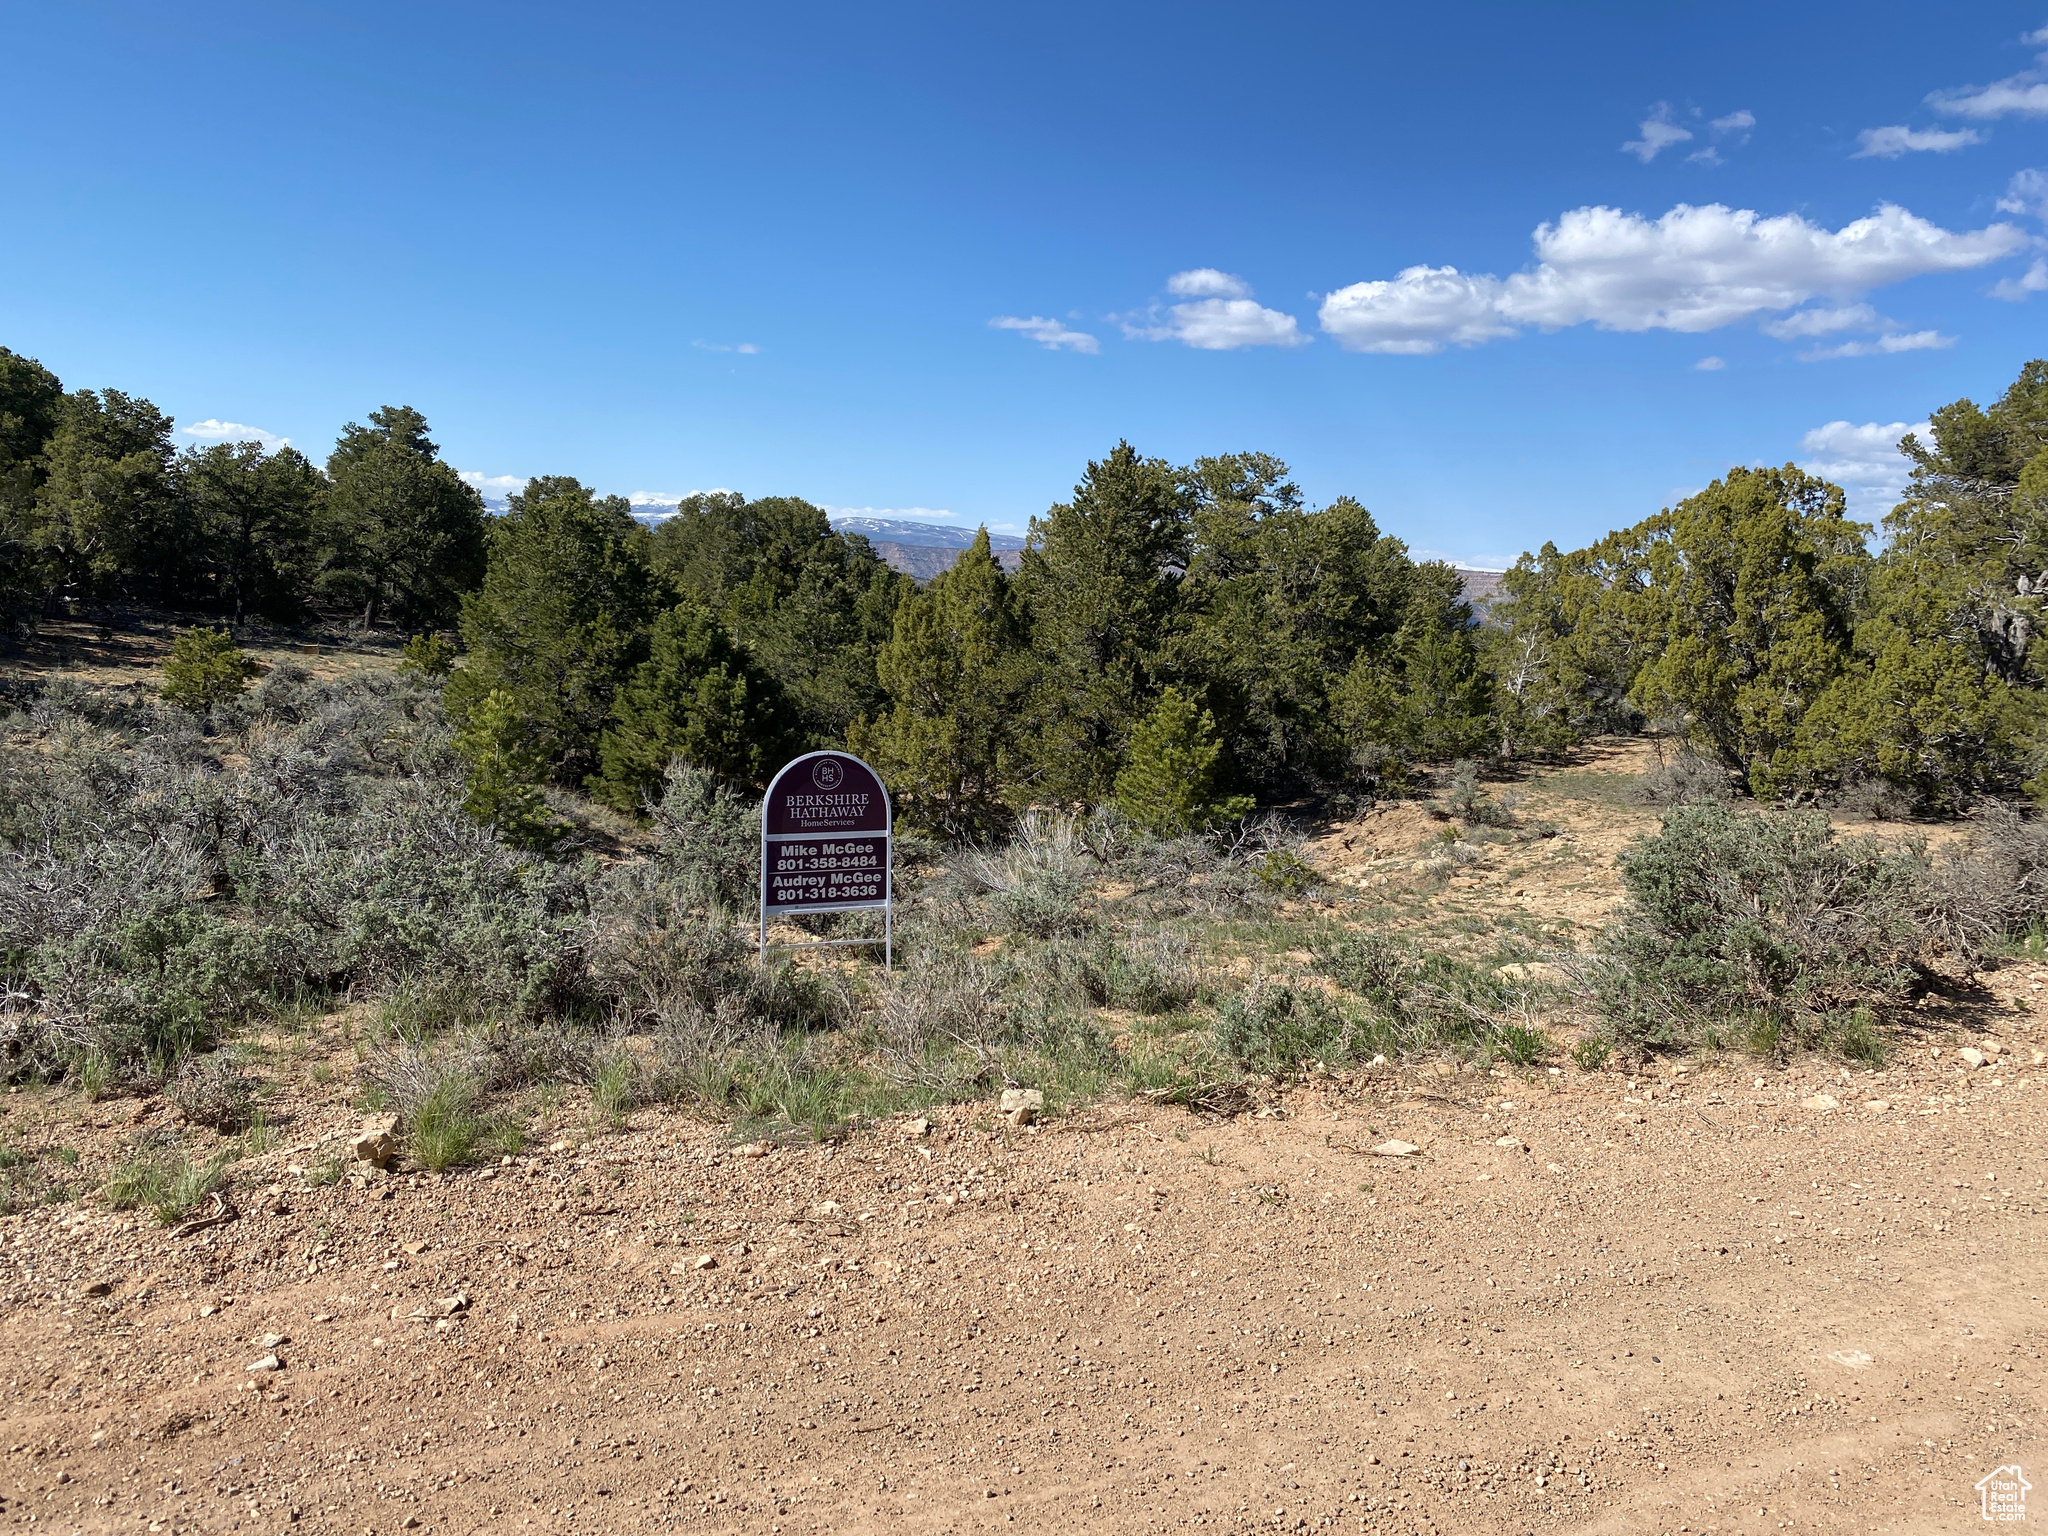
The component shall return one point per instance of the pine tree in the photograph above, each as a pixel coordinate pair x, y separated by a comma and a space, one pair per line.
107, 518
401, 536
251, 518
953, 669
1168, 787
504, 771
205, 670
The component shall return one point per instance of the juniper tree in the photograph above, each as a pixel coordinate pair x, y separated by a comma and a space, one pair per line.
560, 620
954, 669
697, 697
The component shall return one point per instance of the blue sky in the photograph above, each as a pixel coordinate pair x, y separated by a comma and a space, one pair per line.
925, 260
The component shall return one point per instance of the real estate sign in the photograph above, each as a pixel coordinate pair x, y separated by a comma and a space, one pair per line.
825, 843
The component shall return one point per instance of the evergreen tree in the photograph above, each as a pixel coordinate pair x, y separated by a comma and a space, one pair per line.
1759, 616
1420, 697
1169, 785
401, 536
560, 620
1277, 603
699, 698
31, 405
504, 771
251, 516
107, 518
205, 670
1099, 584
954, 670
810, 605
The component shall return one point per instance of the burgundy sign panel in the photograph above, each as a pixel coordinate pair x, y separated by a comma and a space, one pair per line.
825, 792
824, 837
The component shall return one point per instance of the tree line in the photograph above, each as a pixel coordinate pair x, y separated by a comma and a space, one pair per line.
98, 505
1186, 640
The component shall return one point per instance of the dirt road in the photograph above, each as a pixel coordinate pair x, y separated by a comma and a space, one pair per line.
1587, 1303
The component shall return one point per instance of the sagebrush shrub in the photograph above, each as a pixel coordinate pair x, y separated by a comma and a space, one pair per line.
1739, 916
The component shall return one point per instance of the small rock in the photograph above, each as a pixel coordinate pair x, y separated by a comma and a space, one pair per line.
1511, 1144
1877, 1104
561, 1146
98, 1288
1379, 1061
453, 1305
409, 1523
754, 1149
272, 1341
827, 1208
269, 1362
918, 1127
1396, 1149
1971, 1056
1991, 1048
377, 1142
1020, 1106
704, 1261
1819, 1101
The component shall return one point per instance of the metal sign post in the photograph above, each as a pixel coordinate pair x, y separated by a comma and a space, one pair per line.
826, 846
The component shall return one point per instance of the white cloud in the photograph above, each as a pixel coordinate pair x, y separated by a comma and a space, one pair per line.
2017, 290
1659, 134
1694, 269
495, 489
211, 431
1229, 318
1418, 311
1050, 334
2026, 193
1911, 341
1865, 461
1890, 143
744, 348
1208, 283
1823, 322
1709, 365
2022, 95
1734, 122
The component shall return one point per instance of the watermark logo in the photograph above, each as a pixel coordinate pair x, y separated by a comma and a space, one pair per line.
826, 773
2004, 1494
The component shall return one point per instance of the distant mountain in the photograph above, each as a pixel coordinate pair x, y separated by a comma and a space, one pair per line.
935, 535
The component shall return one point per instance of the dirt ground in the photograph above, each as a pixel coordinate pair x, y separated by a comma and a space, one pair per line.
1704, 1297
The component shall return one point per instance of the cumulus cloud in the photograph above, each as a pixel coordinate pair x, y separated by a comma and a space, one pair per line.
211, 431
744, 348
1734, 122
1208, 283
1890, 143
1910, 341
1709, 365
1220, 315
1659, 133
1694, 269
2026, 193
2017, 290
1864, 460
1050, 334
1823, 322
2022, 95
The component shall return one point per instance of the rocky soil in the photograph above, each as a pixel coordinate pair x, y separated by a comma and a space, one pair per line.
1709, 1300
